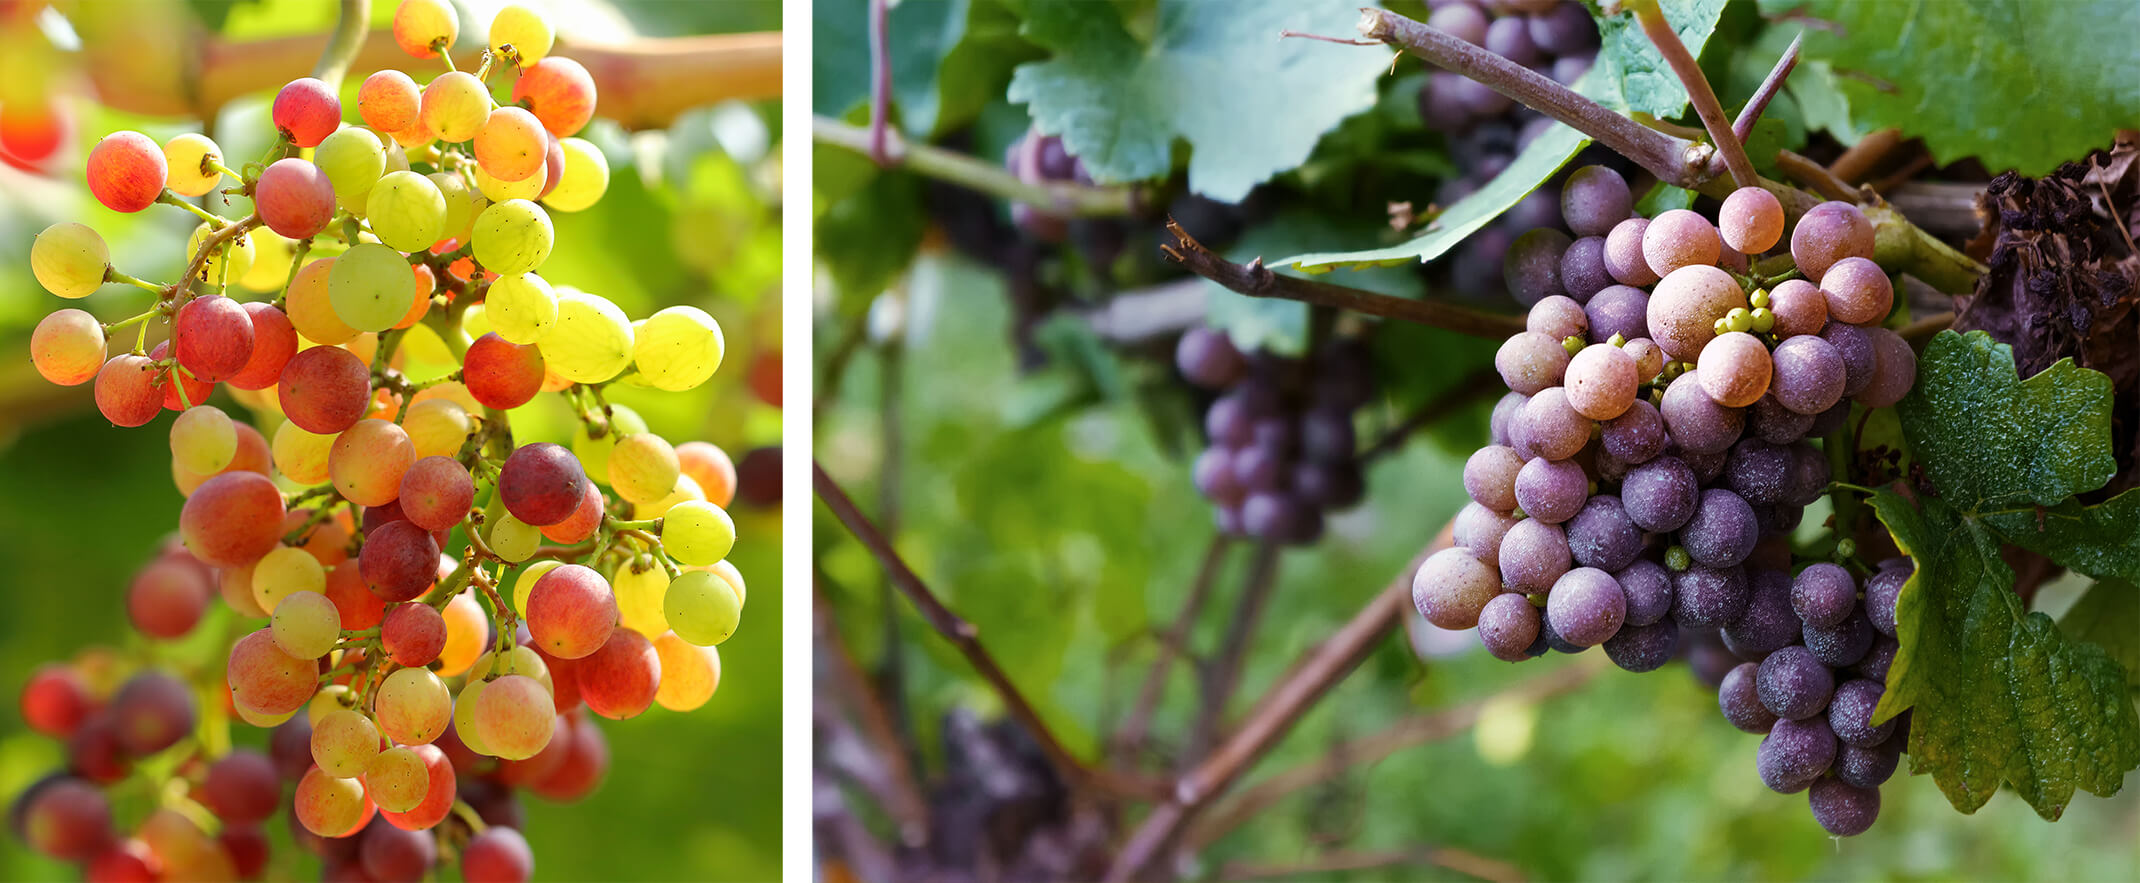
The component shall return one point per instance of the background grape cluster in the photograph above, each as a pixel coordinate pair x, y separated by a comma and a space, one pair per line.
411, 673
1655, 452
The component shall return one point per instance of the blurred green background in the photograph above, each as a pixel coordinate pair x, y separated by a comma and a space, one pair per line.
1047, 509
691, 216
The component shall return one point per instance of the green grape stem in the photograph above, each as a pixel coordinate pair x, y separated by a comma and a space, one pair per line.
214, 220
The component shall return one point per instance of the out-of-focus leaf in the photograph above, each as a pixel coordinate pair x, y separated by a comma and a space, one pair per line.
2109, 617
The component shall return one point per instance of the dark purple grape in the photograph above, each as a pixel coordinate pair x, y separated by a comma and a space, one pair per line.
1532, 267
1551, 490
1850, 714
1868, 767
1649, 591
1462, 20
1841, 645
1586, 606
1439, 108
1696, 422
290, 747
1795, 753
1722, 530
1794, 684
1758, 471
1601, 534
388, 853
1228, 421
541, 484
1660, 495
1741, 706
1582, 269
1269, 515
1508, 626
1534, 555
1809, 474
1636, 436
1594, 200
1326, 434
1882, 590
1640, 648
1845, 810
1618, 309
1707, 465
1259, 469
1860, 359
1708, 597
1569, 68
1706, 657
1553, 639
1563, 29
1510, 37
1879, 659
1215, 478
1771, 422
1768, 624
1806, 374
1207, 357
1480, 98
1827, 422
1330, 486
1276, 433
1824, 594
1538, 209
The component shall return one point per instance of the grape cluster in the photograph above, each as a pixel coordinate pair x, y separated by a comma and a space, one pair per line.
1657, 449
1282, 446
439, 609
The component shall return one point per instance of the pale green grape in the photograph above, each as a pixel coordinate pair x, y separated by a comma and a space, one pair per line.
407, 211
643, 467
414, 706
353, 159
301, 456
521, 660
514, 540
585, 179
397, 779
512, 237
639, 598
525, 583
69, 260
521, 307
464, 717
306, 625
696, 532
702, 609
371, 286
203, 440
497, 189
686, 488
284, 572
524, 30
236, 253
437, 427
343, 742
678, 348
592, 340
461, 202
594, 452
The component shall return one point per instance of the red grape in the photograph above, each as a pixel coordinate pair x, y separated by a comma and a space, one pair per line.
501, 374
152, 712
436, 493
68, 820
56, 700
166, 599
388, 100
498, 855
241, 787
559, 91
583, 767
571, 613
232, 519
214, 336
619, 680
274, 342
399, 561
294, 198
126, 171
306, 112
542, 483
325, 389
126, 391
360, 609
265, 678
438, 801
413, 633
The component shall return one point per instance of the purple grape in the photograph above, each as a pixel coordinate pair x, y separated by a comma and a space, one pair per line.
1508, 626
1538, 209
1326, 434
1557, 316
1228, 422
1850, 714
1207, 357
1708, 597
1882, 590
1510, 37
1696, 422
1534, 555
1741, 706
1771, 422
1582, 269
1722, 531
1258, 469
1649, 591
1707, 465
1845, 810
1504, 415
1660, 495
1553, 639
1860, 358
1532, 267
1640, 648
1564, 29
1269, 515
1330, 486
1879, 659
1824, 594
151, 712
1842, 645
1706, 656
1868, 767
1569, 68
1623, 254
1490, 477
1768, 625
1594, 200
1794, 684
1551, 427
1551, 491
1618, 309
1462, 20
1215, 479
1275, 433
1794, 754
1827, 422
1480, 98
1480, 529
1758, 471
1586, 606
1636, 436
1439, 108
1601, 535
1809, 475
1806, 374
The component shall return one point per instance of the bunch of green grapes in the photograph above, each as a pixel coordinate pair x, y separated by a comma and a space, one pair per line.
443, 609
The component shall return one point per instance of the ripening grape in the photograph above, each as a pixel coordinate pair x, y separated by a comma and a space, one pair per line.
369, 287
1533, 556
1827, 233
69, 260
438, 427
412, 633
583, 180
1750, 220
353, 158
1679, 238
68, 347
514, 717
702, 608
437, 802
454, 106
1449, 589
295, 198
523, 29
571, 611
1857, 291
166, 599
514, 236
179, 389
696, 532
232, 519
1586, 607
230, 260
396, 779
399, 560
678, 348
466, 633
521, 307
185, 160
69, 819
407, 211
423, 27
620, 680
436, 492
1735, 369
414, 706
266, 678
126, 171
1532, 265
203, 440
310, 307
560, 92
1594, 200
388, 101
464, 717
1894, 371
306, 111
512, 145
1684, 307
1602, 381
502, 375
306, 625
214, 336
512, 539
301, 456
369, 460
498, 854
284, 572
689, 674
643, 468
330, 806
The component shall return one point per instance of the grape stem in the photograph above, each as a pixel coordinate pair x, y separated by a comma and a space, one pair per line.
210, 246
214, 220
1223, 678
1256, 280
343, 44
880, 84
1650, 16
1743, 127
1061, 198
112, 274
468, 816
1130, 736
131, 320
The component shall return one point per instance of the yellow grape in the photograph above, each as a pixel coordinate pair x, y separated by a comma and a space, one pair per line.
514, 540
203, 440
702, 609
678, 348
696, 532
333, 697
689, 674
498, 189
306, 625
461, 203
592, 340
236, 253
438, 427
464, 718
183, 157
272, 255
454, 106
353, 159
639, 597
69, 260
520, 660
513, 236
521, 307
525, 30
592, 452
729, 574
311, 309
302, 456
397, 779
422, 27
263, 720
370, 288
414, 706
407, 212
643, 467
585, 179
286, 571
687, 489
343, 742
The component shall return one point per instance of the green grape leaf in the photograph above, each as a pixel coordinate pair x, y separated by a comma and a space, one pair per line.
949, 57
2016, 84
1624, 53
2109, 616
1663, 197
877, 222
2000, 695
2102, 541
1215, 75
1989, 440
1821, 101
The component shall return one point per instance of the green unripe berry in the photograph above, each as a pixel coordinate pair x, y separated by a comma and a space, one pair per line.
1573, 344
1764, 319
1739, 319
1676, 558
1759, 298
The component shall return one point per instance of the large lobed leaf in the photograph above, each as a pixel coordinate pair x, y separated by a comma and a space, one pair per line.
2017, 84
1629, 76
1215, 75
2000, 694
